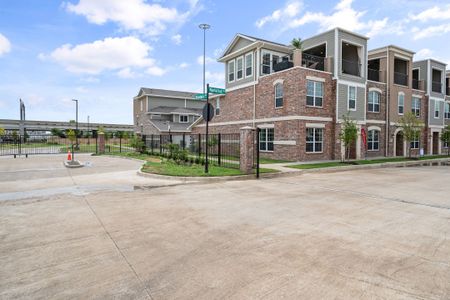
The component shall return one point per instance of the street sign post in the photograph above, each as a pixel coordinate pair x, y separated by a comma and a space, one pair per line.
214, 90
200, 96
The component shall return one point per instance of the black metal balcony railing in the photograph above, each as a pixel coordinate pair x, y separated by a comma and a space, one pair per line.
313, 62
351, 67
415, 84
447, 91
436, 87
283, 65
401, 78
373, 74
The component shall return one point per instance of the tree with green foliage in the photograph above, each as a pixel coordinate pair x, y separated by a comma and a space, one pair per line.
411, 127
2, 131
137, 143
57, 132
72, 136
445, 138
119, 134
297, 43
349, 134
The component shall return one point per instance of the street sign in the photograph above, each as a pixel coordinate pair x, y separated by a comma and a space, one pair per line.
214, 90
205, 112
200, 96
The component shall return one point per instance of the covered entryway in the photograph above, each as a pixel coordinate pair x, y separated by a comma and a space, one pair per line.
435, 143
399, 151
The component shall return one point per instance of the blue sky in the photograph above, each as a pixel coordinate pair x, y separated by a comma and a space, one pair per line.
101, 52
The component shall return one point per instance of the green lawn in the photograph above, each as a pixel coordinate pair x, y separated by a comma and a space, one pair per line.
361, 162
263, 160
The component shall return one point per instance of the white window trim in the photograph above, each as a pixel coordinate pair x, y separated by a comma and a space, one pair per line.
272, 53
251, 67
398, 103
373, 105
314, 140
413, 142
438, 110
241, 58
368, 133
276, 83
447, 113
413, 106
348, 97
179, 118
234, 70
314, 93
266, 129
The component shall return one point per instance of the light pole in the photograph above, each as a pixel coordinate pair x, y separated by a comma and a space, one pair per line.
204, 27
76, 122
88, 132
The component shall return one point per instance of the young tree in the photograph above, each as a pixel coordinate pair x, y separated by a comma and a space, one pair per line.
349, 134
2, 131
72, 136
445, 138
297, 43
411, 126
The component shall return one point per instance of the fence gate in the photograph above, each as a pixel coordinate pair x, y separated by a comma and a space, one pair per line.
256, 152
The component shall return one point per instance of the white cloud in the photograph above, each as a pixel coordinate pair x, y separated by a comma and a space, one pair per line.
176, 39
432, 14
291, 9
430, 31
208, 60
151, 19
126, 73
343, 15
215, 78
423, 53
103, 55
156, 71
183, 65
81, 89
5, 45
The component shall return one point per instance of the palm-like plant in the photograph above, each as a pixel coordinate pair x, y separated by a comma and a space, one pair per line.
297, 43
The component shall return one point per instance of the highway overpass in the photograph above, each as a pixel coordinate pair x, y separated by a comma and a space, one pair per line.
31, 125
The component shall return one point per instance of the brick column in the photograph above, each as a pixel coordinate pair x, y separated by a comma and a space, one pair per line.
247, 147
101, 142
297, 57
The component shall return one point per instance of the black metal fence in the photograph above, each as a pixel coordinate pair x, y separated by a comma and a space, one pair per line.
223, 149
49, 144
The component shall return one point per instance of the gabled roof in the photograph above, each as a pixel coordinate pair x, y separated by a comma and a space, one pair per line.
175, 110
165, 93
163, 126
252, 39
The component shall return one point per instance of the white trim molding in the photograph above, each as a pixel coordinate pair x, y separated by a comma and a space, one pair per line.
313, 78
279, 80
375, 89
266, 126
276, 119
374, 128
376, 122
315, 125
241, 86
288, 143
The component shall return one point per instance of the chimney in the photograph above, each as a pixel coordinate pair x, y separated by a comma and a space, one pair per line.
297, 57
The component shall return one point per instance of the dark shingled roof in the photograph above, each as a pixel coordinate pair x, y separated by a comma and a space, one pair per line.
168, 93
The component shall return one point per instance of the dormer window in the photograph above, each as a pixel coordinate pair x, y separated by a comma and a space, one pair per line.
248, 64
239, 68
231, 71
184, 118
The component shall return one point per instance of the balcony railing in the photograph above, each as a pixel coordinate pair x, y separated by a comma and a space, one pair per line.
313, 62
447, 91
373, 74
351, 67
436, 87
401, 78
415, 84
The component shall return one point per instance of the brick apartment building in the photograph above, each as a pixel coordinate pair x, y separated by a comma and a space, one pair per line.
298, 98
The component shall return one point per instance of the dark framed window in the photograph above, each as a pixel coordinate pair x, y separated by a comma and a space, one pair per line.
373, 140
415, 143
374, 101
314, 93
401, 103
266, 136
279, 95
415, 106
352, 98
314, 140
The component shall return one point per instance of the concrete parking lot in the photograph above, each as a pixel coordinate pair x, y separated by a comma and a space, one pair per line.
366, 234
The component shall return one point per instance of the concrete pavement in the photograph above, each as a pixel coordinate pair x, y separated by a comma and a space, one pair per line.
364, 234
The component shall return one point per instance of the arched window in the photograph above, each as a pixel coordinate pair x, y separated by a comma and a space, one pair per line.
373, 140
374, 101
278, 95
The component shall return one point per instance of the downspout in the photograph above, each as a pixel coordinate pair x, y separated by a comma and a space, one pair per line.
388, 95
255, 80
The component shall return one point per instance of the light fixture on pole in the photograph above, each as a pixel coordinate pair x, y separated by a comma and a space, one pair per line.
76, 122
204, 27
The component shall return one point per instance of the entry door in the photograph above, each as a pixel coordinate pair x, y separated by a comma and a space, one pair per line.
399, 144
435, 143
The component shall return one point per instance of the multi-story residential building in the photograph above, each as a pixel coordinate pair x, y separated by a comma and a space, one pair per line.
157, 111
297, 98
447, 99
392, 85
432, 73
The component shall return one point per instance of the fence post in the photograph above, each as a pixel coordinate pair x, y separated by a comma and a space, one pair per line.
247, 145
151, 143
101, 143
184, 141
257, 151
96, 144
120, 144
160, 144
199, 145
219, 150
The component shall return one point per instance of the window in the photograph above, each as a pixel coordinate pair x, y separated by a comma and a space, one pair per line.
352, 98
401, 103
266, 63
278, 95
142, 104
314, 140
249, 65
184, 118
218, 106
373, 140
415, 106
266, 139
436, 109
415, 143
231, 71
239, 68
314, 93
447, 111
374, 101
275, 60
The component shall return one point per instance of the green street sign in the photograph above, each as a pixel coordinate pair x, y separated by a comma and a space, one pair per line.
215, 90
201, 96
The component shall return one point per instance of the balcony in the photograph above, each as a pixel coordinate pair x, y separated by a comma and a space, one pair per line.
436, 87
283, 65
351, 67
415, 84
401, 78
447, 91
313, 62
